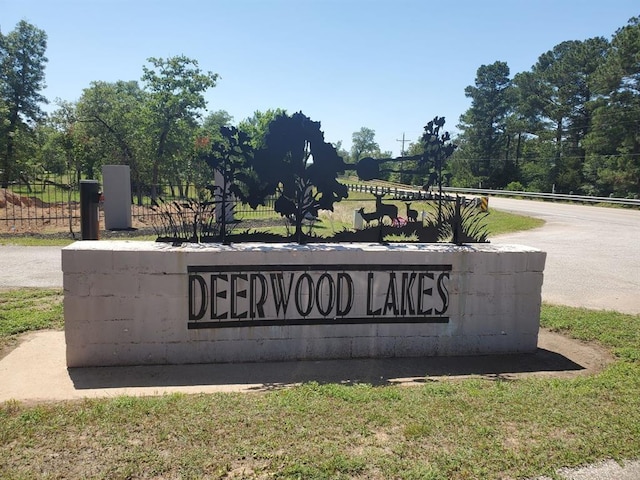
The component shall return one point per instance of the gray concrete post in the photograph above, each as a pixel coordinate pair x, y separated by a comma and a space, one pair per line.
116, 181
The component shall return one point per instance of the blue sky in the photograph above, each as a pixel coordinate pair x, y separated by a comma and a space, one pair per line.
387, 65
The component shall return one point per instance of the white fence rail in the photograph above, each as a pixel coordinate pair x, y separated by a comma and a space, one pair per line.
545, 196
398, 189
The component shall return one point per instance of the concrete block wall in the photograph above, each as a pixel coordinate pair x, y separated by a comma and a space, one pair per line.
126, 303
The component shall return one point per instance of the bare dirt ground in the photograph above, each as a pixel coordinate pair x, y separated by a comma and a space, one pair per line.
22, 215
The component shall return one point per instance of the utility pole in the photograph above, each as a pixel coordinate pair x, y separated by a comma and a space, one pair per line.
402, 155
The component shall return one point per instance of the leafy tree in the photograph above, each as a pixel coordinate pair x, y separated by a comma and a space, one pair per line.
61, 142
300, 167
51, 153
412, 171
363, 144
112, 127
484, 138
341, 151
154, 131
620, 73
178, 165
555, 95
463, 171
537, 165
175, 89
195, 170
257, 125
613, 144
4, 138
22, 64
212, 124
230, 156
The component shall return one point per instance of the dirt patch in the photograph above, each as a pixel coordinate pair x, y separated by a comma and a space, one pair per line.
9, 344
592, 356
557, 356
53, 222
23, 214
20, 214
8, 198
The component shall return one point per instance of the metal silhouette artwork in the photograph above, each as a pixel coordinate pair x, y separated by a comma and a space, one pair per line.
300, 168
297, 170
412, 215
227, 158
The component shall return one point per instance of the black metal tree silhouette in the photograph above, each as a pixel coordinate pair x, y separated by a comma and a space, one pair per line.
301, 168
230, 158
437, 149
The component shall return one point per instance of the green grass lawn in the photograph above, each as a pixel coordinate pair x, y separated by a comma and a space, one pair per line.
499, 222
445, 429
24, 310
49, 193
28, 241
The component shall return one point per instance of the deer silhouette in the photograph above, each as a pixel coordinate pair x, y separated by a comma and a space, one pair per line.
412, 215
384, 209
367, 217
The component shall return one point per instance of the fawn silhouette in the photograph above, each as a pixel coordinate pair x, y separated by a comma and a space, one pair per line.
412, 215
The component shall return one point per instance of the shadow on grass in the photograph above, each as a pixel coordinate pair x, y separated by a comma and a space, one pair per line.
273, 375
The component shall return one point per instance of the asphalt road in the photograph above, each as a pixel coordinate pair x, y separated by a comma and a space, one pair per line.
30, 266
593, 255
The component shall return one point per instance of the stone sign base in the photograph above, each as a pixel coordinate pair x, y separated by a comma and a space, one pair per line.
140, 303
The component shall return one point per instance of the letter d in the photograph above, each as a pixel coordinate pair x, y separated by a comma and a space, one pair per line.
204, 295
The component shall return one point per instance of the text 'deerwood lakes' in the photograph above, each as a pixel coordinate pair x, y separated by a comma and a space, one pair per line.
235, 296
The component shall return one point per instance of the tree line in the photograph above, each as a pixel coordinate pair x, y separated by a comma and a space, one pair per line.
570, 124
